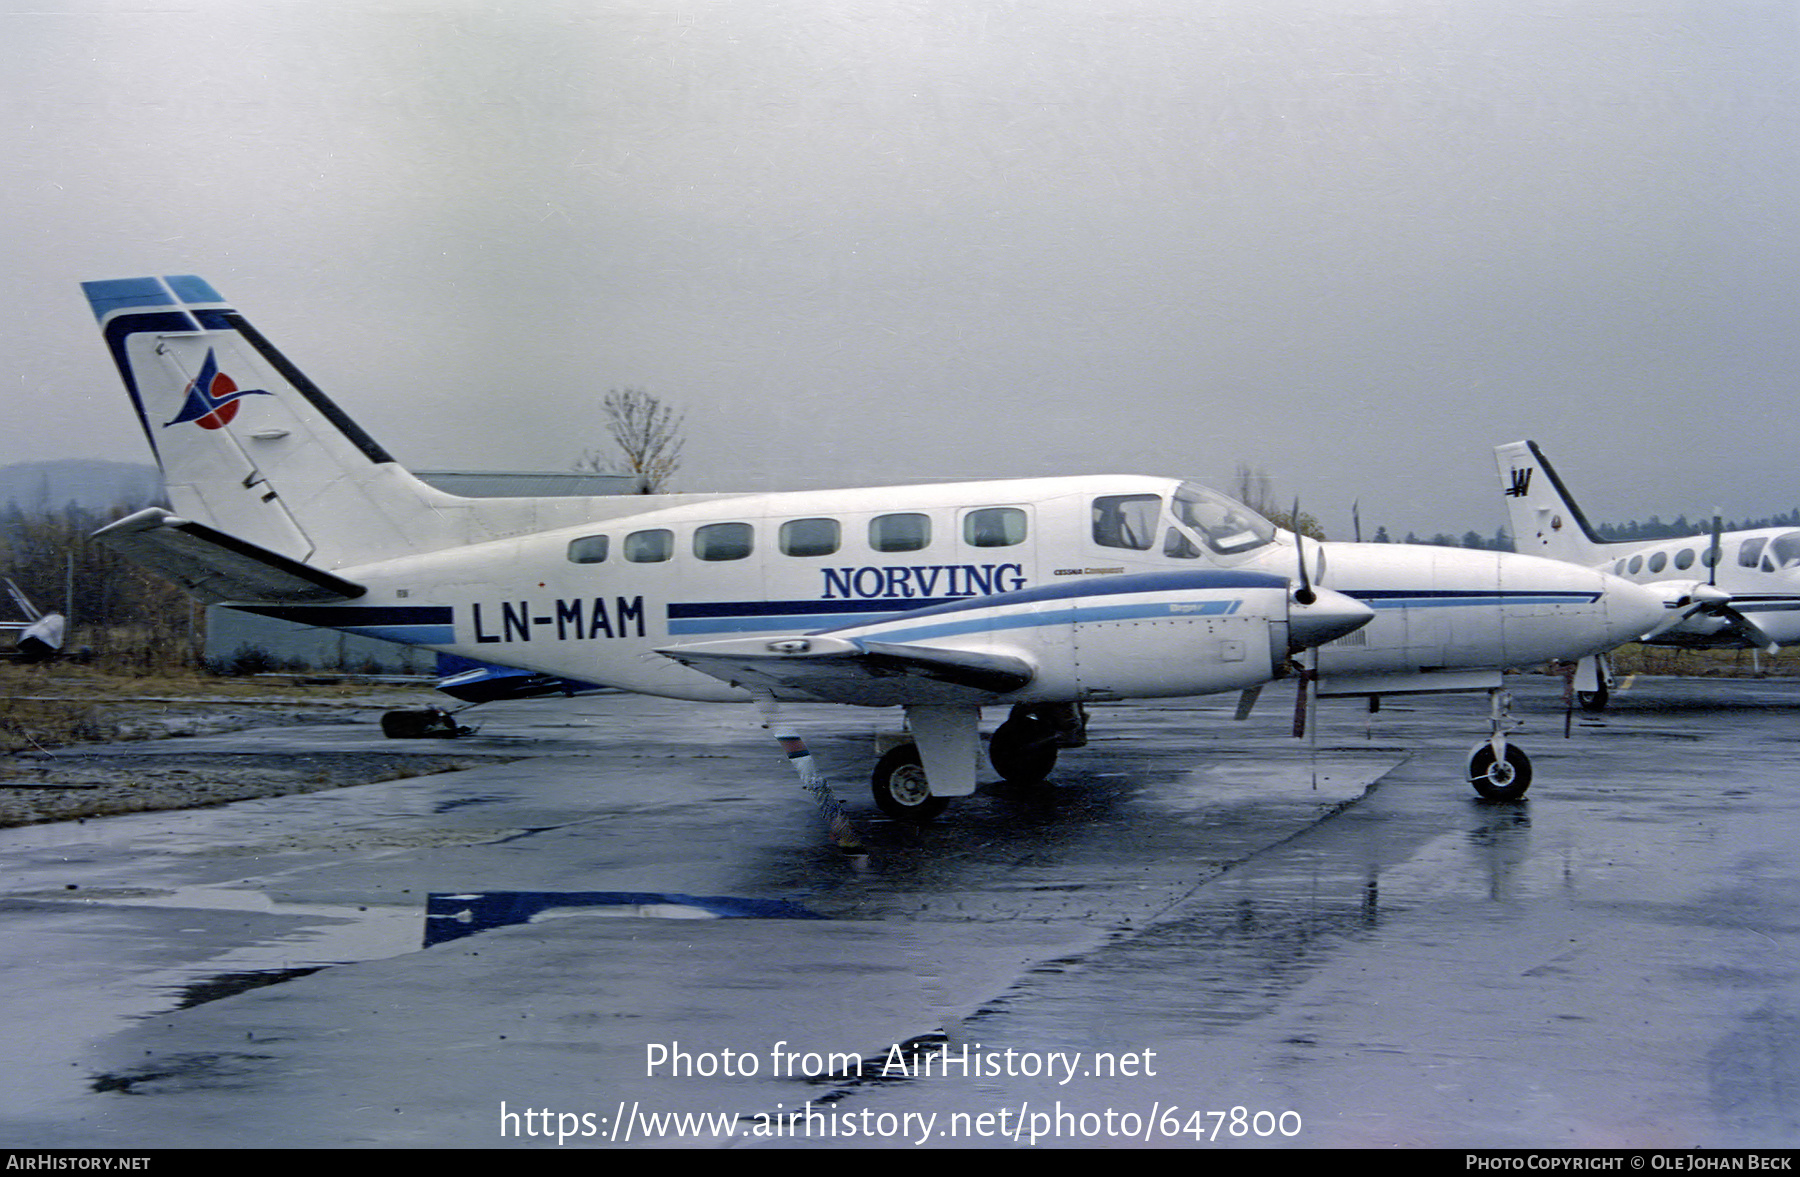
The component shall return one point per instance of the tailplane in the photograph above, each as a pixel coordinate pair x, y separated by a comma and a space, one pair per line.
248, 445
1544, 518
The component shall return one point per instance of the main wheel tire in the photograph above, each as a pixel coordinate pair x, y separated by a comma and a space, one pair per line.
1023, 751
404, 725
1496, 781
901, 789
1593, 701
420, 725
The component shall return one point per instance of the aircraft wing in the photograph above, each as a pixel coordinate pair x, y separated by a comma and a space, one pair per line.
217, 567
825, 669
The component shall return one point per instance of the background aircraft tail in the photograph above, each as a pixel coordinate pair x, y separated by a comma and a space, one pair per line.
252, 449
1544, 518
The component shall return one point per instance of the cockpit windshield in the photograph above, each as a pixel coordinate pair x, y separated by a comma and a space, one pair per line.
1225, 525
1783, 552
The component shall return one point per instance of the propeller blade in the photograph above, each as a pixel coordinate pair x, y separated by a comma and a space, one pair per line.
1246, 701
1712, 569
1749, 630
1304, 594
1302, 694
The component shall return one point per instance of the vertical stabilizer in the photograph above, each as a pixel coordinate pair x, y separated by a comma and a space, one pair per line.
1544, 519
248, 445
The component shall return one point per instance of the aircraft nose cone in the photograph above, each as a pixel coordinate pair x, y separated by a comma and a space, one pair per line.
1331, 615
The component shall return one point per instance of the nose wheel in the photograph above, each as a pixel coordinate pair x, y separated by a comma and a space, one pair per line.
1499, 771
1500, 778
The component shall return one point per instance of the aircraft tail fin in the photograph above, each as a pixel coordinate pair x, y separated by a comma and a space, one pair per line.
1544, 518
248, 445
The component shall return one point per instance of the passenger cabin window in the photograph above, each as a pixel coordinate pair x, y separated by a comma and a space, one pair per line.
722, 541
589, 549
1126, 521
994, 527
1658, 560
1708, 558
899, 533
649, 547
809, 537
1684, 559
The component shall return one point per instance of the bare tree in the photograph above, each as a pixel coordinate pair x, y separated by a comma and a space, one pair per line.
647, 433
1256, 490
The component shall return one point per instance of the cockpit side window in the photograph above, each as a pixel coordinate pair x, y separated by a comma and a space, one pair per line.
1751, 551
1177, 544
1126, 521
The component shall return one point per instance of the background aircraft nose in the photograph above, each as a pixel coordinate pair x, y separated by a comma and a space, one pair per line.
1331, 615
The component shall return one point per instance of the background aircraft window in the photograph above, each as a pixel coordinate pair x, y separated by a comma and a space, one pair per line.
809, 537
722, 541
1637, 562
1657, 560
589, 549
649, 547
899, 533
1684, 558
1126, 521
1619, 568
1751, 551
994, 527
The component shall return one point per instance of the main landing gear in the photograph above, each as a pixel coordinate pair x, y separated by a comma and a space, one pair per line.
429, 723
1500, 771
900, 787
1022, 750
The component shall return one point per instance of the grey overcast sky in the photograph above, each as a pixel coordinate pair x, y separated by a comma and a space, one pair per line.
1354, 242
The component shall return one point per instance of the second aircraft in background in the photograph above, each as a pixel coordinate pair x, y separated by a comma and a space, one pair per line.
1723, 590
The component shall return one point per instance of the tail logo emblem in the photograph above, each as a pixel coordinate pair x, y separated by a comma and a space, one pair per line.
212, 397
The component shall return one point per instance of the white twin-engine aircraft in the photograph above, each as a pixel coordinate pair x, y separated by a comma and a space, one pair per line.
1729, 589
1038, 594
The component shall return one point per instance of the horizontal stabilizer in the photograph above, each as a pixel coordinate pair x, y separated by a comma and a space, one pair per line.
872, 674
217, 567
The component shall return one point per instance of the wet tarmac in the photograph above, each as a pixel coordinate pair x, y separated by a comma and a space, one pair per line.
1200, 933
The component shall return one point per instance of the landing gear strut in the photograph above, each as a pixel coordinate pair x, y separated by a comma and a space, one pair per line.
1594, 673
1500, 771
